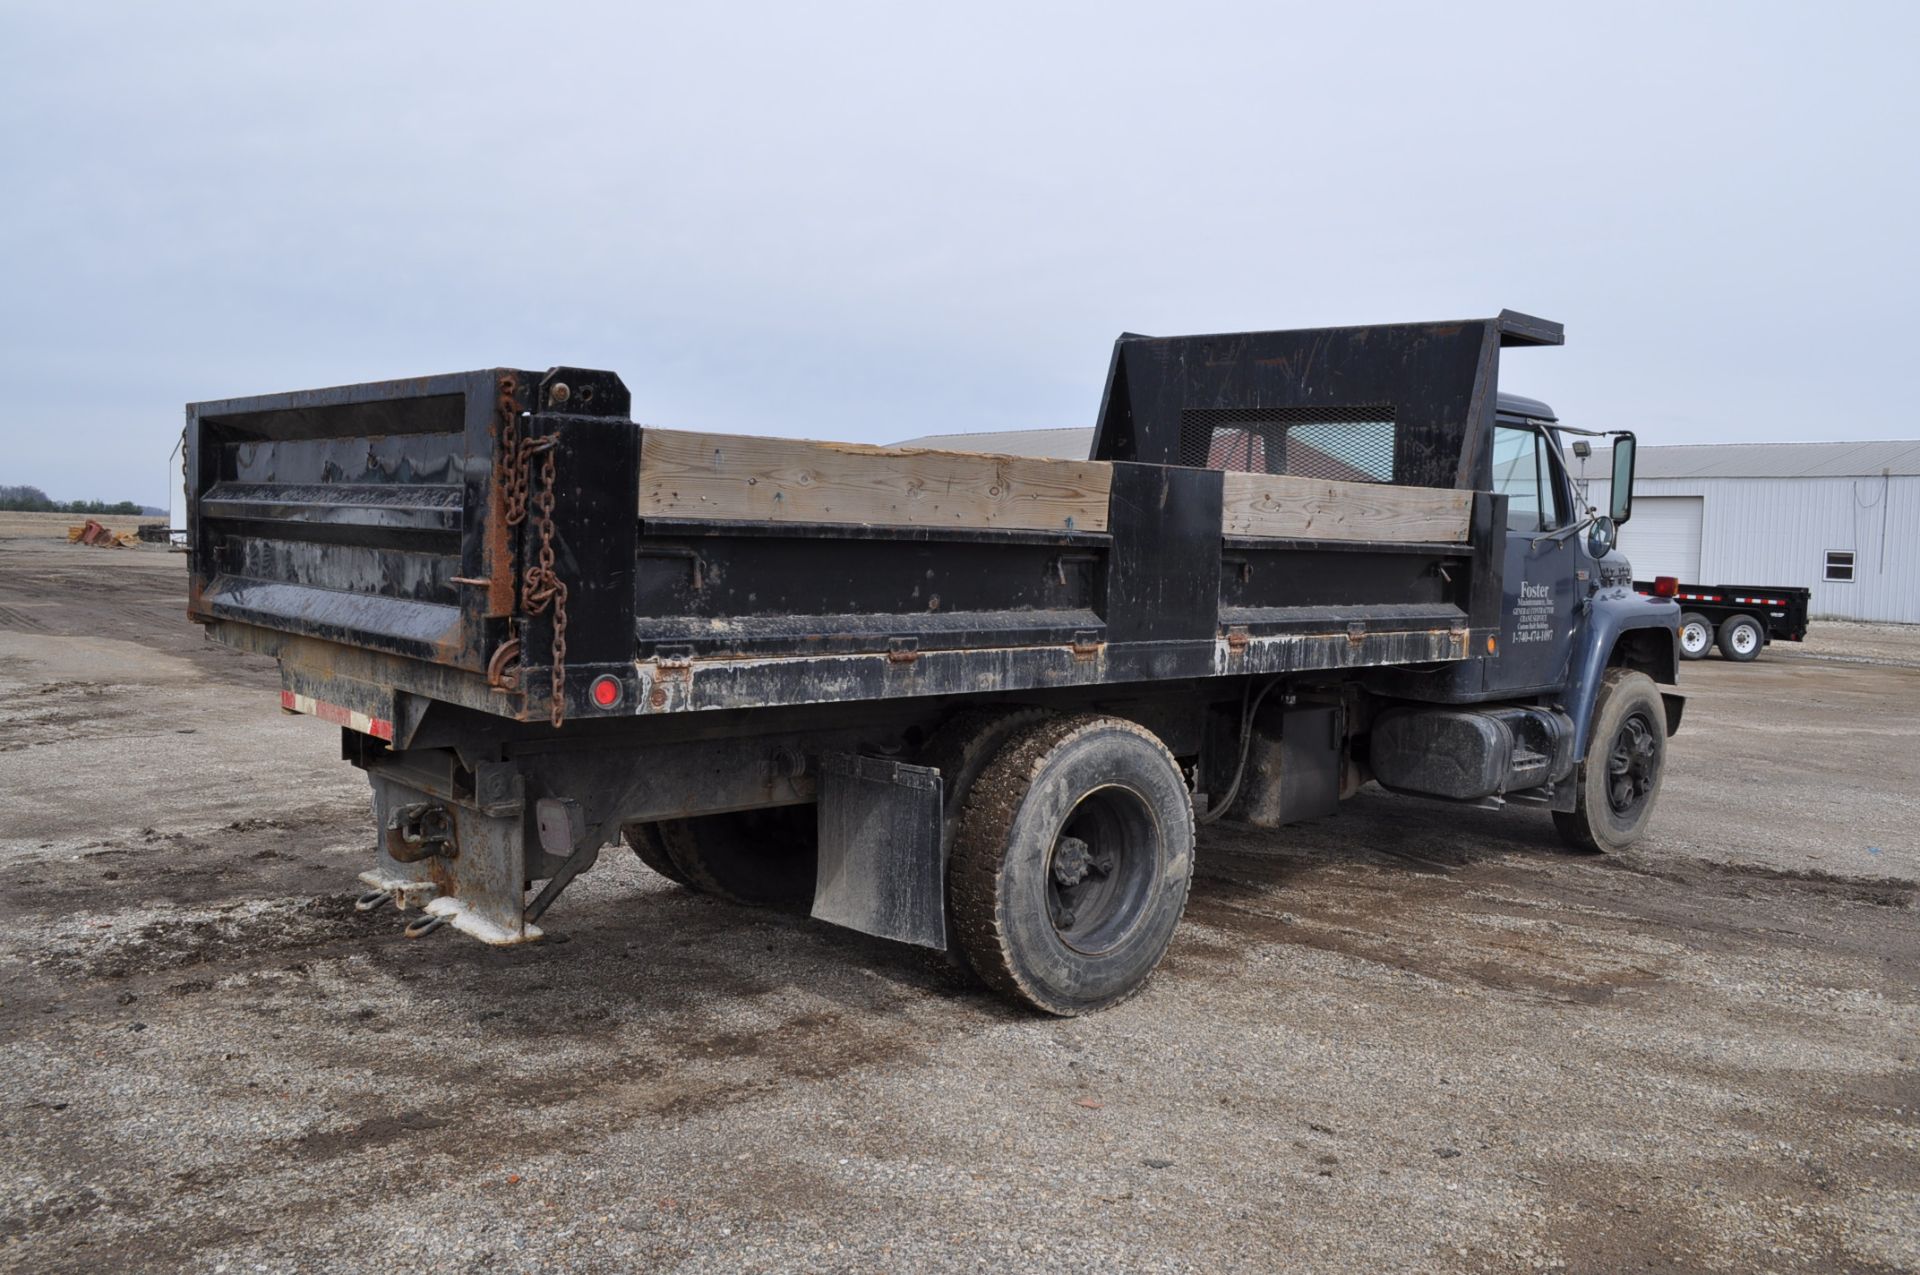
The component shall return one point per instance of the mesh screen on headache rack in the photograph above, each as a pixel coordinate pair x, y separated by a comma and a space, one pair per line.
1350, 444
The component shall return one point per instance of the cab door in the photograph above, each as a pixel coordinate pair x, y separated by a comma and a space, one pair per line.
1537, 607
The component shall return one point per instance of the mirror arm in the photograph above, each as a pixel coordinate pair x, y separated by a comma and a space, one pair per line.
1570, 529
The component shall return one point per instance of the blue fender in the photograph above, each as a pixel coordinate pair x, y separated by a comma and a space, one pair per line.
1611, 614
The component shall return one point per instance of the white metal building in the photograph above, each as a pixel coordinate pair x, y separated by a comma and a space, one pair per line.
1840, 518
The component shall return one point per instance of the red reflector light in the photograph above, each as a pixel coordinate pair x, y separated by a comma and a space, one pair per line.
1665, 586
605, 691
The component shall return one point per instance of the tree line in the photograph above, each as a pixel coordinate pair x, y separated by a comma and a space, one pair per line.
25, 499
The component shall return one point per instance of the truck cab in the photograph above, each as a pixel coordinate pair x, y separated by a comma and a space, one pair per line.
1569, 611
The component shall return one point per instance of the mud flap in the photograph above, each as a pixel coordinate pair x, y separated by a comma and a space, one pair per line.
1676, 704
881, 867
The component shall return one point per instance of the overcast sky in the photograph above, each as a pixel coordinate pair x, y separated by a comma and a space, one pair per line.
877, 222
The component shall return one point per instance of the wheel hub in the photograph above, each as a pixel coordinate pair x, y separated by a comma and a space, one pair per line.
1632, 765
1098, 874
1071, 861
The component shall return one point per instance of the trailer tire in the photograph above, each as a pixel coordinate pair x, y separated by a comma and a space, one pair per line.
1096, 799
1741, 637
1696, 636
1619, 781
651, 849
760, 858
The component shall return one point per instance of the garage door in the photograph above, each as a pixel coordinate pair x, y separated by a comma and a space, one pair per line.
1663, 537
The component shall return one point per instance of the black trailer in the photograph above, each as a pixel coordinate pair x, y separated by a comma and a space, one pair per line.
966, 701
1739, 618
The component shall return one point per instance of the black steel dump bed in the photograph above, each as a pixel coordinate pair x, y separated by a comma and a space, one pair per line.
474, 539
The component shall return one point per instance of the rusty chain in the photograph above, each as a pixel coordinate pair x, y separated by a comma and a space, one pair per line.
509, 465
540, 585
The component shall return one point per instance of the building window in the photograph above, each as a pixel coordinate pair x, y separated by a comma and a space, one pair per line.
1839, 566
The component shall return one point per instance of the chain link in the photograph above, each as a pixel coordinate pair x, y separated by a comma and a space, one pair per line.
541, 587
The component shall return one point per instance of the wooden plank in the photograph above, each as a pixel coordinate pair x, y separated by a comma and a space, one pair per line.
738, 477
1322, 509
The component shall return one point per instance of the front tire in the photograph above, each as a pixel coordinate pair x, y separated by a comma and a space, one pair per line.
1741, 638
1696, 636
1071, 864
1619, 782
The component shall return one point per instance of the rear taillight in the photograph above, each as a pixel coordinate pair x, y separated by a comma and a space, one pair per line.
605, 691
1665, 586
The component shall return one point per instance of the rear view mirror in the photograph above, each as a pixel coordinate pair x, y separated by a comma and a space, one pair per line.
1620, 490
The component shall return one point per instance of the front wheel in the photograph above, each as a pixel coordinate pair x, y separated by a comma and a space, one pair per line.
1696, 636
1741, 638
1619, 781
1071, 863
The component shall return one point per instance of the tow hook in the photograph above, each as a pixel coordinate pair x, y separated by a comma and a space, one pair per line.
422, 830
420, 927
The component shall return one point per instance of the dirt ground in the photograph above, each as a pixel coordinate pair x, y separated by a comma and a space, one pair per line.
1408, 1038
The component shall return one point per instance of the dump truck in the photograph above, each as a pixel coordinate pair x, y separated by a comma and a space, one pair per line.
972, 702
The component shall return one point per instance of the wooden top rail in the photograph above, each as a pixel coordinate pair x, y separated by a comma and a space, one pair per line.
739, 477
1284, 505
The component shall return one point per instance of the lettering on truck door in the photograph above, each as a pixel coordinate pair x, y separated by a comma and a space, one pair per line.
1538, 591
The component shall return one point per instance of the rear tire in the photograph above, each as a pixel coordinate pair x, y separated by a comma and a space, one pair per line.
1619, 782
646, 842
1072, 862
1741, 638
961, 749
761, 858
1696, 636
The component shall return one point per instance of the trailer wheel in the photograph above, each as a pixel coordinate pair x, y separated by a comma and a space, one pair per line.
646, 842
1071, 864
1741, 638
761, 858
1696, 636
1619, 782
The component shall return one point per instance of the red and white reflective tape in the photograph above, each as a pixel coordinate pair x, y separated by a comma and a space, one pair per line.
294, 702
1714, 597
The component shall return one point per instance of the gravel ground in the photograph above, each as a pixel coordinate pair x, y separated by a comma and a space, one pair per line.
1407, 1038
1894, 645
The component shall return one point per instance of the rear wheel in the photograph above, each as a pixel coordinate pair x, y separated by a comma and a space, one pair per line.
1741, 638
1071, 863
1696, 636
960, 750
647, 844
1619, 782
763, 858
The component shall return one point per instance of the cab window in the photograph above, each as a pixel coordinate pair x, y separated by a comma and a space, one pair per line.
1523, 474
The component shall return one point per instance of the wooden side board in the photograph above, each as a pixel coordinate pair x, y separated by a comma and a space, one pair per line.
1322, 509
740, 477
